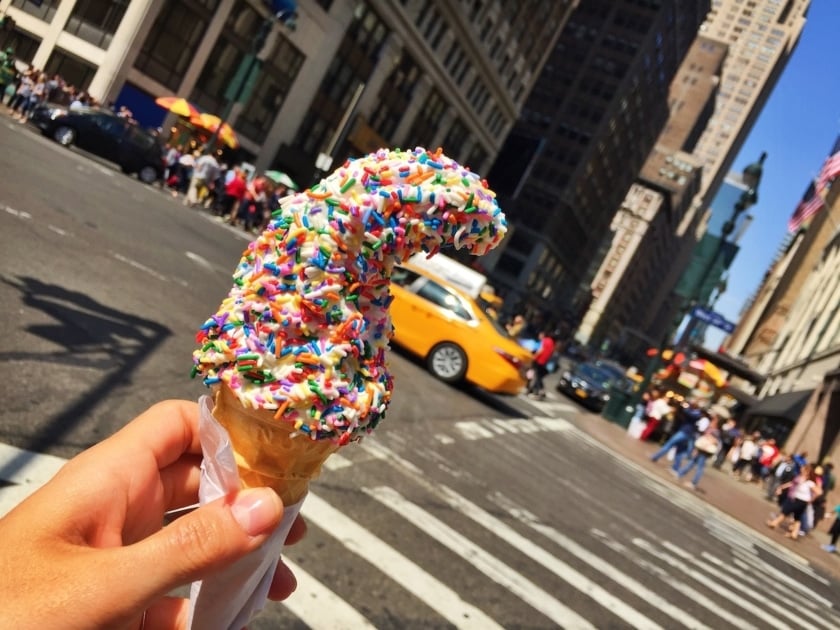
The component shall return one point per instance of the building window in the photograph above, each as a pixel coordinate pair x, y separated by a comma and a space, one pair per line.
172, 42
455, 138
476, 158
352, 65
395, 96
43, 9
425, 126
74, 71
95, 21
272, 88
230, 52
23, 45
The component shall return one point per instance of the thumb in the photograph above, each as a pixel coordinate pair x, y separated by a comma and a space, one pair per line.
204, 541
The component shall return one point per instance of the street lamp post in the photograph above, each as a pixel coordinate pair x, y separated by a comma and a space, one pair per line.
751, 176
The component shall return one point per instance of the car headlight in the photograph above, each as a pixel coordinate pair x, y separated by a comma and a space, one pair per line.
605, 397
55, 113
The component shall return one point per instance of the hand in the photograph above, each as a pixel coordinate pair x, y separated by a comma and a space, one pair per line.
89, 548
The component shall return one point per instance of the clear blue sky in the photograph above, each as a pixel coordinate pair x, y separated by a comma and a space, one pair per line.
797, 127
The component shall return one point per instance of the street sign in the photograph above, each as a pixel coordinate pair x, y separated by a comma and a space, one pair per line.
712, 319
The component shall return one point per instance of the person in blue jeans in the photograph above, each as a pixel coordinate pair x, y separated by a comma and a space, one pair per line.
701, 453
683, 438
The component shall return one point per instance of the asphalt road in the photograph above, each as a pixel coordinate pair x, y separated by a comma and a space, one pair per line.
463, 510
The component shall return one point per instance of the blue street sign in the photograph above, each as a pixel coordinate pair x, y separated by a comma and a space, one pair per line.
712, 319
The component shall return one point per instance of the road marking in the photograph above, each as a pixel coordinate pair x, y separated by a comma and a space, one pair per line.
28, 470
725, 593
784, 577
444, 439
20, 214
672, 582
489, 565
711, 567
542, 557
26, 467
320, 608
57, 230
599, 564
434, 593
484, 429
336, 462
201, 261
795, 601
139, 266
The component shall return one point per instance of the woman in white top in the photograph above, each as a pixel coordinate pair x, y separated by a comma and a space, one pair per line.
802, 491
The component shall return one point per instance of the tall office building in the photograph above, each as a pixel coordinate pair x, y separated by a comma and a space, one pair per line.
631, 287
761, 35
585, 131
352, 75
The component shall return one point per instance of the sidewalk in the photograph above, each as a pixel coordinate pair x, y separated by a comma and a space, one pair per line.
743, 501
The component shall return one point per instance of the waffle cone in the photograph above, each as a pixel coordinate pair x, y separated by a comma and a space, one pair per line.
267, 454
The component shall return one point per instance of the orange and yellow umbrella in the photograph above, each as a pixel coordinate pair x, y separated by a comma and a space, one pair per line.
212, 123
177, 105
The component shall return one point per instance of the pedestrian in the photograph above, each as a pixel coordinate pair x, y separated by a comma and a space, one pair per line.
657, 408
705, 446
683, 437
543, 354
819, 502
803, 490
728, 434
234, 193
834, 531
186, 163
783, 473
7, 71
251, 208
767, 456
747, 452
515, 327
204, 174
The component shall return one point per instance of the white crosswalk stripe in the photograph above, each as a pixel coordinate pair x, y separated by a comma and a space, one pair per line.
617, 576
319, 607
483, 561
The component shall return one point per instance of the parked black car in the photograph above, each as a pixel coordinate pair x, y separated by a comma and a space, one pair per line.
103, 133
588, 383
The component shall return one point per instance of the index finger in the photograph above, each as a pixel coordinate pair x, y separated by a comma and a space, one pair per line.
166, 430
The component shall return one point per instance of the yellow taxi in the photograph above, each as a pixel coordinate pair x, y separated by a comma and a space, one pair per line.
445, 326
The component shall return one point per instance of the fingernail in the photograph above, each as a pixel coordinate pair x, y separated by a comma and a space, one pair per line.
257, 510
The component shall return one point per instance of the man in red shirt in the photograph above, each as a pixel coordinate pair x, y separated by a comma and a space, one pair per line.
541, 358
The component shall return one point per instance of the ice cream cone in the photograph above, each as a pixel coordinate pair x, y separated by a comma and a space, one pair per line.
270, 453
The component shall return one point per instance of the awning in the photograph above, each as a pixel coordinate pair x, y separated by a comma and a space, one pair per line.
740, 395
787, 406
729, 364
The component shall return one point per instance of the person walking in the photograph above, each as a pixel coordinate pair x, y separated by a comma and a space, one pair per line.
204, 174
834, 531
783, 473
543, 354
803, 490
658, 407
705, 446
683, 437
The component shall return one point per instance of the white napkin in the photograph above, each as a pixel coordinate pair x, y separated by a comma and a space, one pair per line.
229, 599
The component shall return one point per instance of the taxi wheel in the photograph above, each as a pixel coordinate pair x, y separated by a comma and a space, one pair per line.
447, 362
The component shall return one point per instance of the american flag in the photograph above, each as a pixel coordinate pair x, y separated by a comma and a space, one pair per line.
814, 198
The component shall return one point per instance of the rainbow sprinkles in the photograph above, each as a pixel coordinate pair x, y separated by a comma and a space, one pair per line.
305, 327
